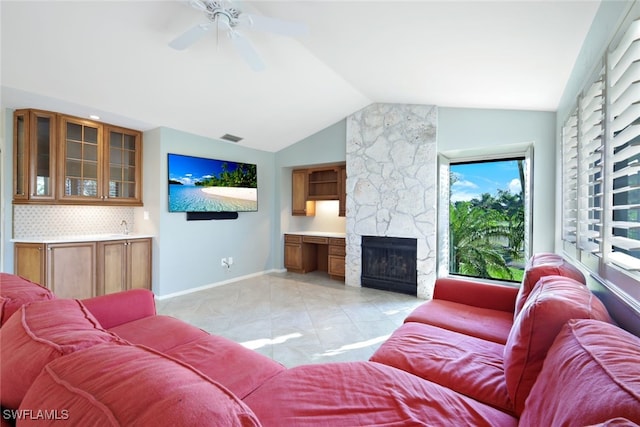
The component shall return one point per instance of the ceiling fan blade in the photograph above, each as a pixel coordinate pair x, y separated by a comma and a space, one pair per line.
276, 26
189, 37
247, 51
198, 4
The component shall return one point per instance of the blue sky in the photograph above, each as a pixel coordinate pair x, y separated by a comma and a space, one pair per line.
475, 179
188, 170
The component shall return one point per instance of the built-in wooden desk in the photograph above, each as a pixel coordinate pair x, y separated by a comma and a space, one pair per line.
305, 252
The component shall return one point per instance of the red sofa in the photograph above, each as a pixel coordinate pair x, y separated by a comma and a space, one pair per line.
111, 360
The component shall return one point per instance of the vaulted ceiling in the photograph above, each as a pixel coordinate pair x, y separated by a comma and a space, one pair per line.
112, 58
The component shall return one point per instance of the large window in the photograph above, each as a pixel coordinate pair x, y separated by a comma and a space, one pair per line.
601, 168
487, 219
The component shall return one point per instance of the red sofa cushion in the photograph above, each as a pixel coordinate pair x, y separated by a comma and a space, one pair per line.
239, 369
463, 363
540, 265
591, 375
119, 308
161, 333
130, 385
16, 291
479, 294
484, 323
554, 301
364, 394
38, 333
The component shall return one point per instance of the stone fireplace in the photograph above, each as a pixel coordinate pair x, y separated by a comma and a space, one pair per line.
392, 184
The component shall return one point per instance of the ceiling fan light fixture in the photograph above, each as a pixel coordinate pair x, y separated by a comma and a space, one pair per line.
222, 15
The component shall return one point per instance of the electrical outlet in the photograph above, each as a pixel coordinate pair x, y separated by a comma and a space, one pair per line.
230, 260
223, 262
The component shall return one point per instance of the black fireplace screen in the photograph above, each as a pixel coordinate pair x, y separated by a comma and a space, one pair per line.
389, 263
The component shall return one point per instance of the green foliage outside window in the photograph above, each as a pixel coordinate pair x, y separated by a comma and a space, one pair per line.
486, 235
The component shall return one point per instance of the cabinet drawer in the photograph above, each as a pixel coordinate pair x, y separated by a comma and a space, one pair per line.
337, 241
292, 238
336, 250
315, 239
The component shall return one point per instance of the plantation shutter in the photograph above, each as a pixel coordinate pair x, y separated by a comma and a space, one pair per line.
570, 179
624, 150
590, 167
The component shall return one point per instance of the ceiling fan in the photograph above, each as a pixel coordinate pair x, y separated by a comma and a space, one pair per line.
226, 16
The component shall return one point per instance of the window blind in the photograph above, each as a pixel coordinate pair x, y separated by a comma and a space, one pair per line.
624, 150
590, 167
570, 179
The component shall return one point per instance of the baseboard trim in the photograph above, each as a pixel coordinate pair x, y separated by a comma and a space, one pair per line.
213, 285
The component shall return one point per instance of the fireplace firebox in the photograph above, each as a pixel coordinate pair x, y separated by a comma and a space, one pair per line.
389, 264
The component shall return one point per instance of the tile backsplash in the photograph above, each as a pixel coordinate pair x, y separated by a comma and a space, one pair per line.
63, 220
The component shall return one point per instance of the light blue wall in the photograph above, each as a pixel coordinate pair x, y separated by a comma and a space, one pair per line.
467, 129
188, 253
325, 146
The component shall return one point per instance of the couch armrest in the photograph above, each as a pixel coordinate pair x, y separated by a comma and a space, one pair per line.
478, 294
121, 307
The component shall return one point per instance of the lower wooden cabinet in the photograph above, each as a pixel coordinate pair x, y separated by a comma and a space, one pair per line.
293, 254
304, 253
123, 265
337, 258
68, 269
71, 269
86, 269
30, 261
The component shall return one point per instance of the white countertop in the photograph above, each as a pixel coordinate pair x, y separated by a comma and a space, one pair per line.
318, 233
81, 238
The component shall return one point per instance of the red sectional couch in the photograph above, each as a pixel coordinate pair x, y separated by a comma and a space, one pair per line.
477, 354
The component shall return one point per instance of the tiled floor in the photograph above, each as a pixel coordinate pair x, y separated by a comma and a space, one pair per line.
296, 319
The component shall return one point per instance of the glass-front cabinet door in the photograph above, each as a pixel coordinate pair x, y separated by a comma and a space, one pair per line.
43, 155
20, 155
81, 159
123, 154
35, 155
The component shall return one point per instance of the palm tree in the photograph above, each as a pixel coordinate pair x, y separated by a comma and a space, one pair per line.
474, 241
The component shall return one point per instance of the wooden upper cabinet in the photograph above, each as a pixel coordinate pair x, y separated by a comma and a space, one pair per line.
300, 204
321, 183
81, 160
123, 160
65, 159
342, 190
34, 155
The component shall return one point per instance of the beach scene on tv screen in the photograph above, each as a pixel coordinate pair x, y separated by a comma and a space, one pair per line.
207, 185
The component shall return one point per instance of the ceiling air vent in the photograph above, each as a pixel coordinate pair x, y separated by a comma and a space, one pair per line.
231, 138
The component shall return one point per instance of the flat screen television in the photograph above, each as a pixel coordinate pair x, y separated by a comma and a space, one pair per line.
197, 184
